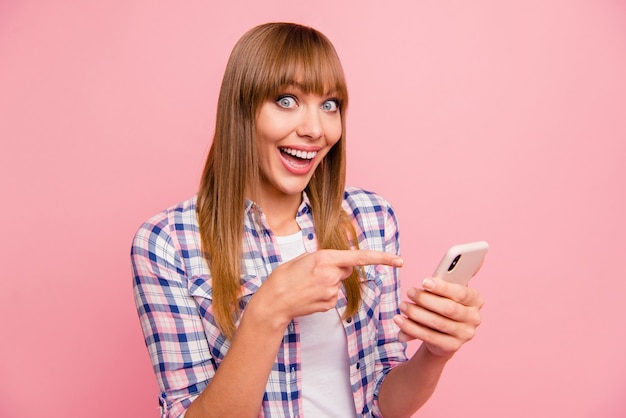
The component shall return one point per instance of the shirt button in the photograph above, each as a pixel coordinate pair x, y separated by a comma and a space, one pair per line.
349, 320
358, 365
310, 236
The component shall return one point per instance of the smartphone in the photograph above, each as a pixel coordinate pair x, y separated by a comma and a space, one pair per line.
461, 262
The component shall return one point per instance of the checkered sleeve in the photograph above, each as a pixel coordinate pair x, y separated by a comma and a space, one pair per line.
169, 317
389, 351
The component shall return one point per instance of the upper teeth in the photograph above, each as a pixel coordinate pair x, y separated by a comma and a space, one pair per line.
300, 154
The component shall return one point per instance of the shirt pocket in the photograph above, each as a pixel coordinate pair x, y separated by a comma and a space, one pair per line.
371, 287
250, 285
201, 289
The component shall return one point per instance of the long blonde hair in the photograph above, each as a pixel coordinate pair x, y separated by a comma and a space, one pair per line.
265, 60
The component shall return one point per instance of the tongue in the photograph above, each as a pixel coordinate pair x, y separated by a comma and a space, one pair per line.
295, 161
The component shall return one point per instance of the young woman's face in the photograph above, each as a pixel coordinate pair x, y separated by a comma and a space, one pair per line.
294, 132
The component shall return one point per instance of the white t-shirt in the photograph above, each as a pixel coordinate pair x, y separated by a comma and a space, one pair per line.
326, 390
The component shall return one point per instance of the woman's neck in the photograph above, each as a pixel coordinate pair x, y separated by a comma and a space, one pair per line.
280, 213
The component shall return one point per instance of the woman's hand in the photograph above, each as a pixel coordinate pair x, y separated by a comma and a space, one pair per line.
306, 284
310, 283
443, 315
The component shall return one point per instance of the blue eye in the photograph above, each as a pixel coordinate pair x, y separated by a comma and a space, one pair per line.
286, 101
330, 105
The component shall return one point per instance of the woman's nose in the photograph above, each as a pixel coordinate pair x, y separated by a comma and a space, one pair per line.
310, 125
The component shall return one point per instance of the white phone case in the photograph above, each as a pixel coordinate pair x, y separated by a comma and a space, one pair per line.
461, 262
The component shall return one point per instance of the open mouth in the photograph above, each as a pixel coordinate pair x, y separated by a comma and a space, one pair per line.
297, 161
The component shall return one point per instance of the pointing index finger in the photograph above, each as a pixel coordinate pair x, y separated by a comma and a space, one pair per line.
351, 258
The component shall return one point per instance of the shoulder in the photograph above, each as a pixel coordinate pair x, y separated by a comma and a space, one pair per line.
374, 220
166, 225
373, 215
359, 201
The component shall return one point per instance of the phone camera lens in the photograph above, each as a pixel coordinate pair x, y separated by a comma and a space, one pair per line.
454, 262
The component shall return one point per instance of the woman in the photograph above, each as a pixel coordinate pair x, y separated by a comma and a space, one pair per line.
274, 292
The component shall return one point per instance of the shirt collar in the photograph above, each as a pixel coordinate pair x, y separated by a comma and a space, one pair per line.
252, 207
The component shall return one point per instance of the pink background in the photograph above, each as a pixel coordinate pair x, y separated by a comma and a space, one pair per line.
503, 121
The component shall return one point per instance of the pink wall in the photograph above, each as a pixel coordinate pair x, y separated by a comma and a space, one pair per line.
503, 121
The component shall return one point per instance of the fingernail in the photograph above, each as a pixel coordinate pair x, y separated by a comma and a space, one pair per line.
411, 292
398, 319
403, 306
428, 284
398, 262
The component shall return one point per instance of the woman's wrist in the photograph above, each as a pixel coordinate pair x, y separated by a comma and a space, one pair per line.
263, 313
426, 354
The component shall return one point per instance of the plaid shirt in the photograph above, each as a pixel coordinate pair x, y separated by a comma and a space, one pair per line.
172, 288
